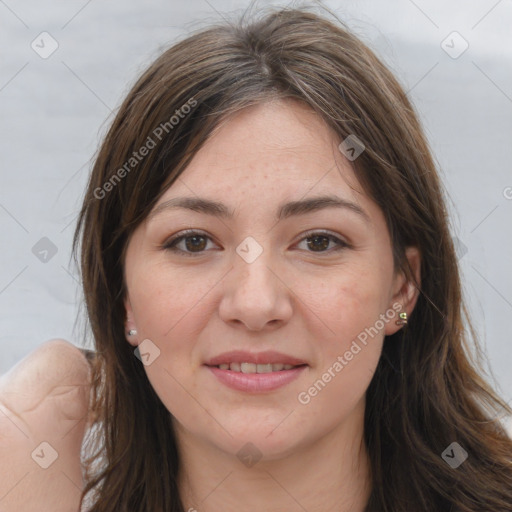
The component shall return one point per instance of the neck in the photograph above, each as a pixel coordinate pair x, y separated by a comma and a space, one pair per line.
329, 475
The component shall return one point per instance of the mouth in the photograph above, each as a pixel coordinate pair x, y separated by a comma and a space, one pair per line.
249, 368
255, 372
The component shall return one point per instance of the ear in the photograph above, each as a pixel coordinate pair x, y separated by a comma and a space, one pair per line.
405, 291
129, 323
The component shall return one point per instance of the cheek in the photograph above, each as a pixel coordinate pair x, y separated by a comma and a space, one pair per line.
169, 303
348, 356
171, 310
350, 303
357, 339
351, 308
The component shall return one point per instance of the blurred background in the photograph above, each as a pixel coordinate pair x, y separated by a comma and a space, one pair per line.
66, 66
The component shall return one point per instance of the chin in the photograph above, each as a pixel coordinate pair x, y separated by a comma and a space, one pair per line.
262, 441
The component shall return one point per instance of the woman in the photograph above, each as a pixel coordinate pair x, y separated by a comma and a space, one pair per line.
273, 291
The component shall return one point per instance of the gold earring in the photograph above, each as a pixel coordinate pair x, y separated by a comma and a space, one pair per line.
403, 319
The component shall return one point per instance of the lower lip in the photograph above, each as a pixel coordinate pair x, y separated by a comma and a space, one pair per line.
256, 382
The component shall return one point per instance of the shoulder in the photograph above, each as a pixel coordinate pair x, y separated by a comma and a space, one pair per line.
58, 357
44, 404
58, 371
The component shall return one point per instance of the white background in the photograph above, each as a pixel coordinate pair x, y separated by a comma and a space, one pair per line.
54, 111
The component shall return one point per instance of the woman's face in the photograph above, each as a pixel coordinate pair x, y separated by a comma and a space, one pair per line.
258, 285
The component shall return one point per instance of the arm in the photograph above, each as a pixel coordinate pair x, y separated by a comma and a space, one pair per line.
44, 402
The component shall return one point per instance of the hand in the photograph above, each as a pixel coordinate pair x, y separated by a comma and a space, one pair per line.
44, 402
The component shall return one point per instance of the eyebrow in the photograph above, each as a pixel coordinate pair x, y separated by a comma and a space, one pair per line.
286, 210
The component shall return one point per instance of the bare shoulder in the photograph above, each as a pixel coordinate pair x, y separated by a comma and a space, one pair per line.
44, 405
56, 370
63, 357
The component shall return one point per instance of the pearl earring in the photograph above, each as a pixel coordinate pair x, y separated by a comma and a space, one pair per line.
132, 332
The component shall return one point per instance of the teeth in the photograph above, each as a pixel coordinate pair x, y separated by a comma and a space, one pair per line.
264, 368
255, 368
248, 367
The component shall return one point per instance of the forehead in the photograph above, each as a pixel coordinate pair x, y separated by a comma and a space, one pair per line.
277, 147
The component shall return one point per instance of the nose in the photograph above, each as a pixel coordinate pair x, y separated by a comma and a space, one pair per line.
254, 295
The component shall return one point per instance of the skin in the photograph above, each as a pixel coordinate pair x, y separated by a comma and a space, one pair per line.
306, 302
43, 399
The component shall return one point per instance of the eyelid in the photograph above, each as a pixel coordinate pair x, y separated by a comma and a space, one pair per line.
325, 232
184, 234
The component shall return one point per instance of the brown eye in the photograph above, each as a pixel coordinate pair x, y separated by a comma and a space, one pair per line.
195, 243
319, 242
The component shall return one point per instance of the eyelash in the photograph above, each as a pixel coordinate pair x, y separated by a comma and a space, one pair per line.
170, 245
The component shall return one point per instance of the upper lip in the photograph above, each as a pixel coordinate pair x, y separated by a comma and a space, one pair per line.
240, 356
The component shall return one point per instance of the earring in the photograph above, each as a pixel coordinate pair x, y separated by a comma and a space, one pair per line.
132, 332
403, 319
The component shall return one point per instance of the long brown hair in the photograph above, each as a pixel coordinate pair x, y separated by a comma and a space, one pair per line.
428, 390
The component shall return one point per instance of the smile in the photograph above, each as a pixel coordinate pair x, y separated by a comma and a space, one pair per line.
256, 378
255, 368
